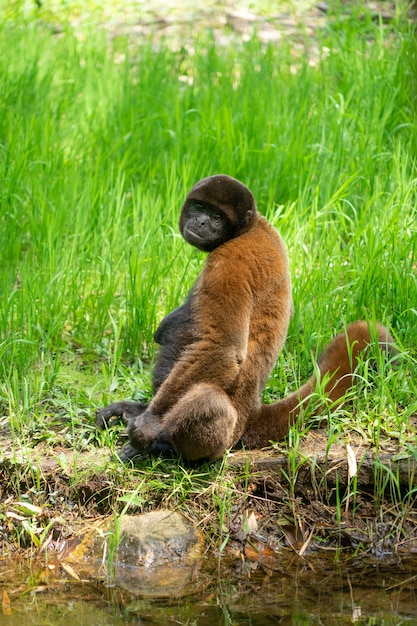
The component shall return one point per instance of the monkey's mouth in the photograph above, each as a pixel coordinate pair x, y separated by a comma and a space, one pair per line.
191, 234
196, 240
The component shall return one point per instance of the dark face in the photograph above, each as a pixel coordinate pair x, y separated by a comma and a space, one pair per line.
218, 208
205, 226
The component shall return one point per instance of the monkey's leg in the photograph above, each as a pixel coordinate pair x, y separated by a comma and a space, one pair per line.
201, 424
125, 409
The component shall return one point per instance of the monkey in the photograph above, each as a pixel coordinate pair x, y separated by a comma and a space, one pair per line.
217, 350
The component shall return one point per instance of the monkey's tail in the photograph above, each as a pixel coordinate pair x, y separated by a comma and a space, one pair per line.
336, 365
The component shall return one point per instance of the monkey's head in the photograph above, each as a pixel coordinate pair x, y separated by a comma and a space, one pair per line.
217, 208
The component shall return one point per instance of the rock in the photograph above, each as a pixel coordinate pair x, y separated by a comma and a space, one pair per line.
156, 554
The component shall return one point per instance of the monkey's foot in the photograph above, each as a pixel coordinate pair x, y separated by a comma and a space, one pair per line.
129, 453
125, 410
162, 447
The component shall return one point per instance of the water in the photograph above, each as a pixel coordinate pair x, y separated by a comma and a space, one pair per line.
314, 590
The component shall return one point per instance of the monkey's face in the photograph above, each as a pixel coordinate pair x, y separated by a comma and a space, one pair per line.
218, 208
204, 226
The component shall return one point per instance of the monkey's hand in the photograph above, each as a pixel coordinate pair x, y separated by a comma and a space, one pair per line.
126, 411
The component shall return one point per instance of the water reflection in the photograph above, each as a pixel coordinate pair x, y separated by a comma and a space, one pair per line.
313, 590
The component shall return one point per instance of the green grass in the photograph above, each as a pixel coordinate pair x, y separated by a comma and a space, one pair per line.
99, 142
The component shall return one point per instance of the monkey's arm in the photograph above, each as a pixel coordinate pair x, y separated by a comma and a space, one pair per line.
125, 409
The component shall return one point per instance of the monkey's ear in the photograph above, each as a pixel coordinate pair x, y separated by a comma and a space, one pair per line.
249, 216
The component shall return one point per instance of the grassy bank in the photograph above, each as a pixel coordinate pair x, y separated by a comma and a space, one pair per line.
100, 139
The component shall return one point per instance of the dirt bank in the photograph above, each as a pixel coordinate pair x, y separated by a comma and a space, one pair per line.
346, 495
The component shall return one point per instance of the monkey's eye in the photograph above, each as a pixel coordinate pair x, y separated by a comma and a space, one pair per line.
217, 217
